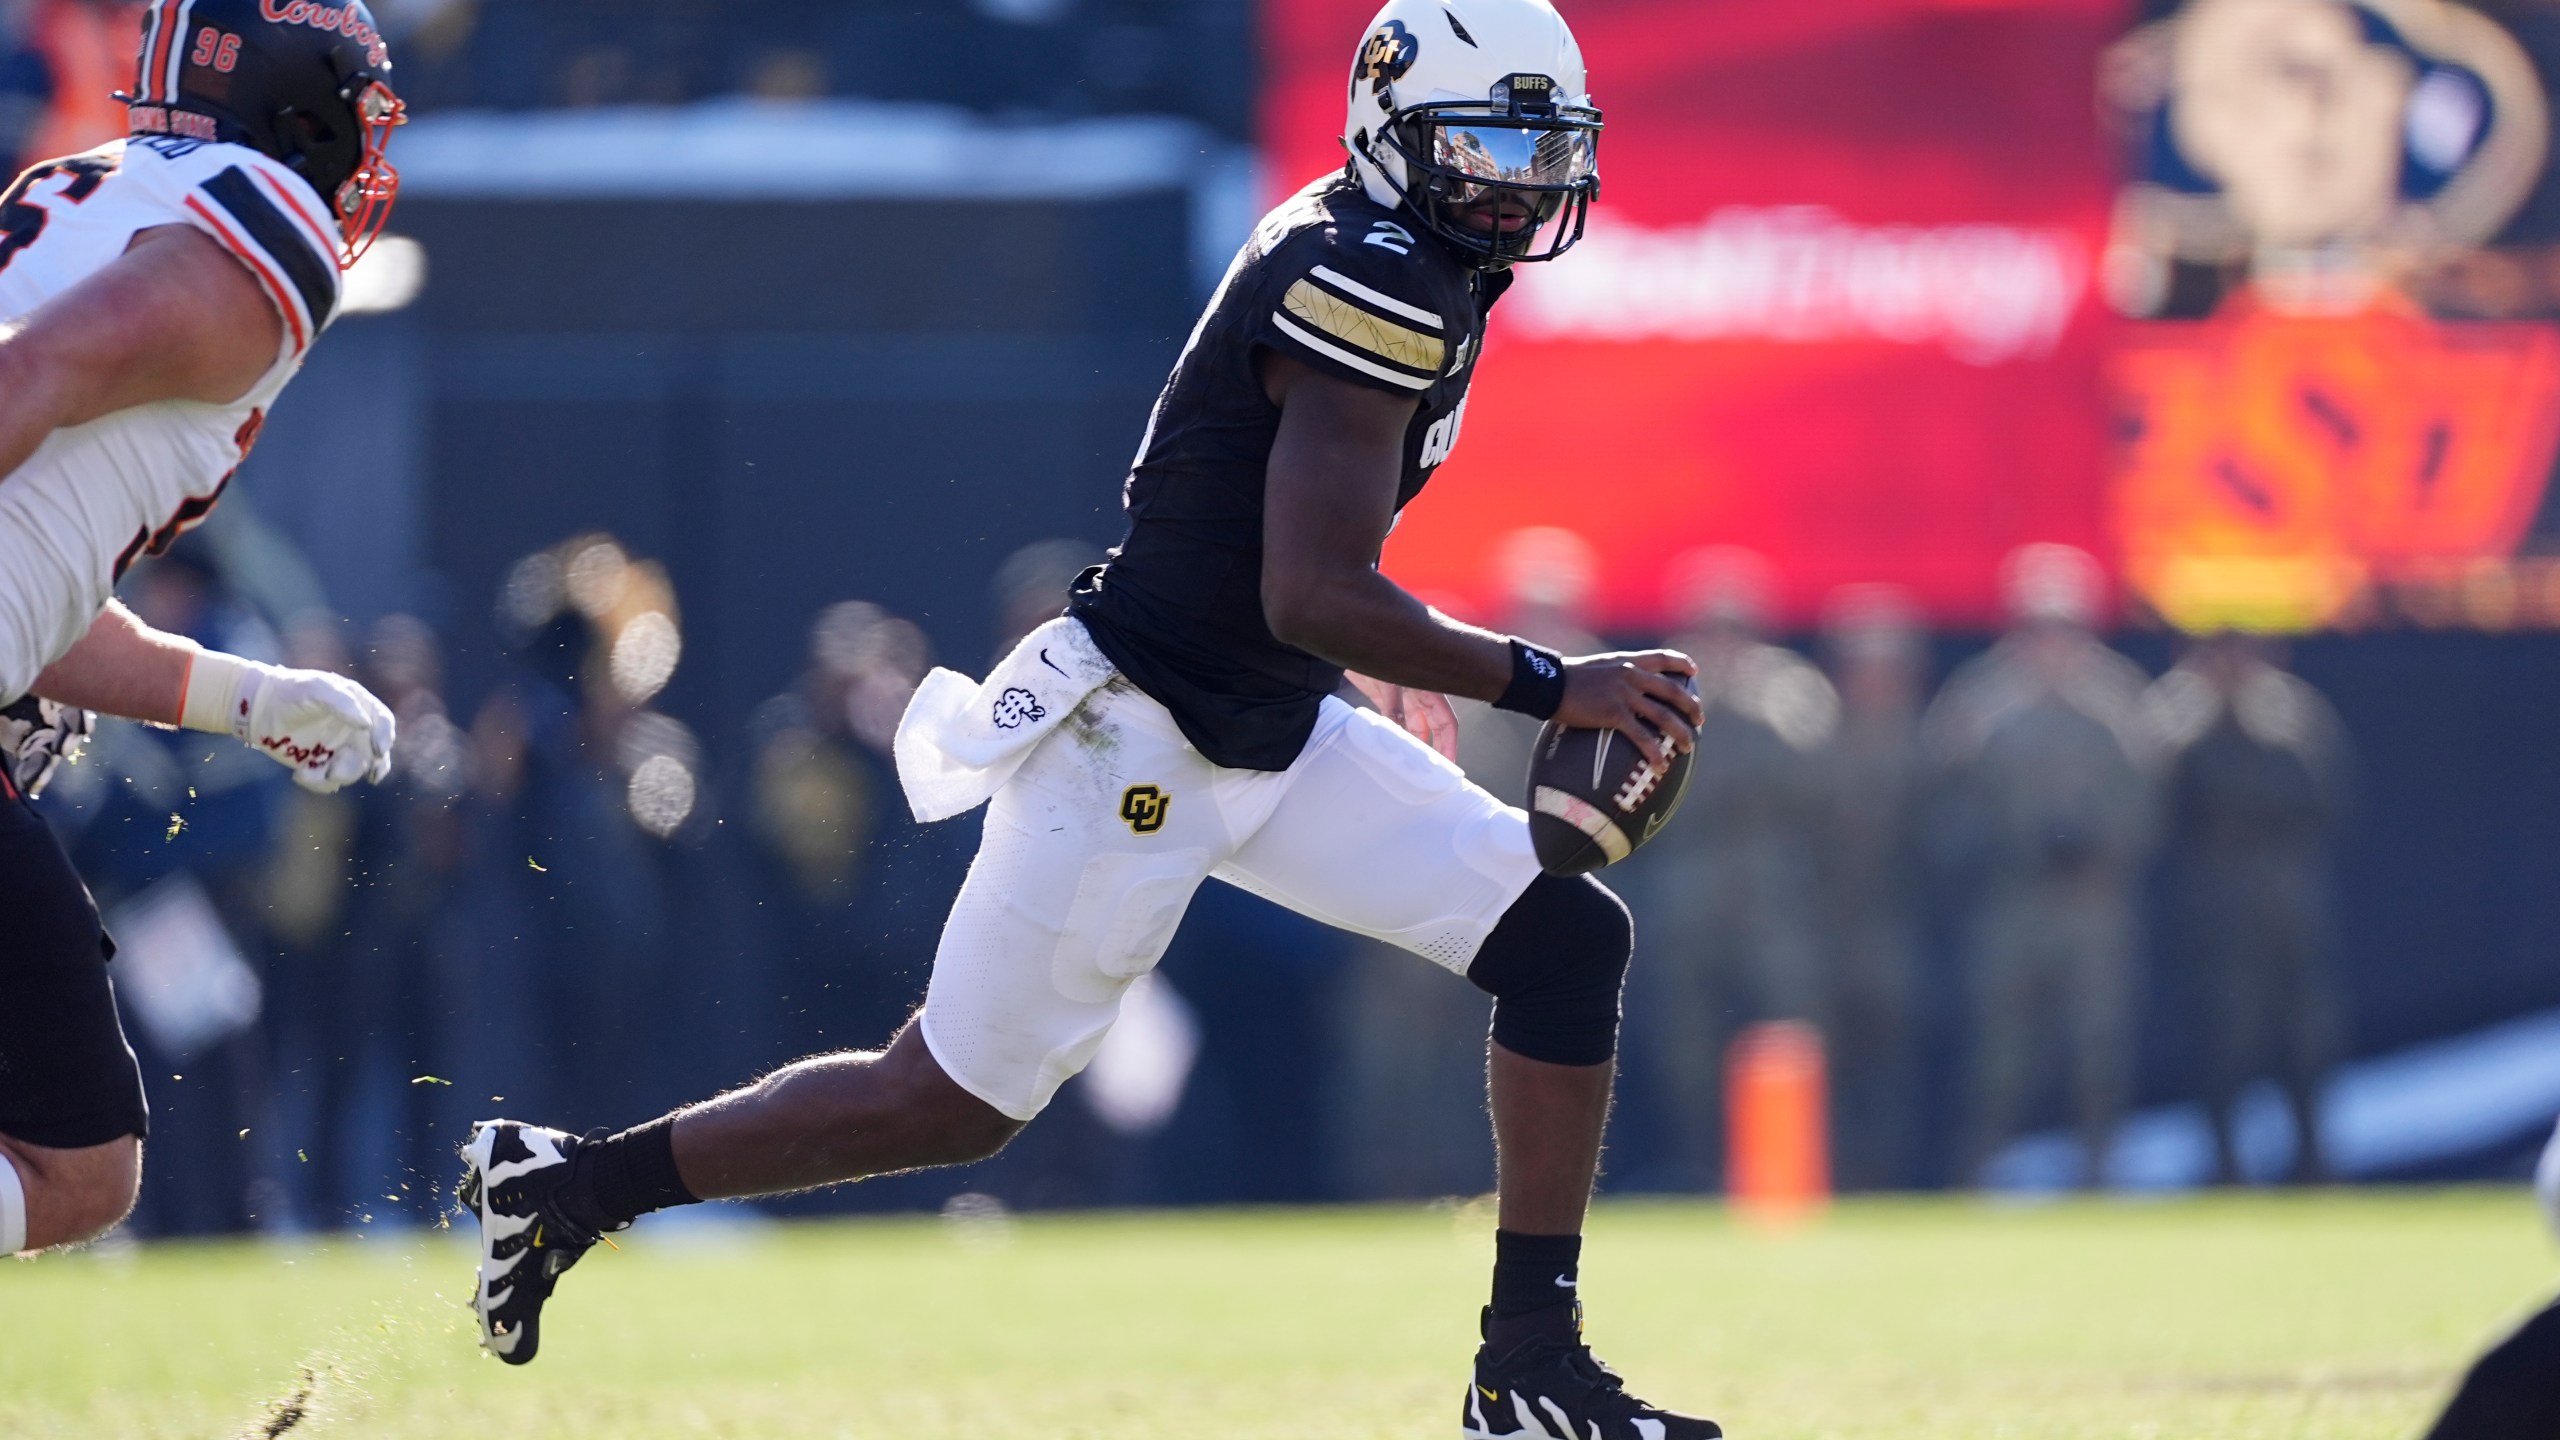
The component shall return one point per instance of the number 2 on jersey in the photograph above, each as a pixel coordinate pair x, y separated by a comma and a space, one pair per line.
22, 219
1388, 235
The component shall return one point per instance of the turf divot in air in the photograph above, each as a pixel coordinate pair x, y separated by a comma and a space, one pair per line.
321, 1392
286, 1413
380, 1345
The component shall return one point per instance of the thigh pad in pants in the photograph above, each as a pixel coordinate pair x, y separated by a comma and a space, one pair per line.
1093, 849
1378, 835
1090, 856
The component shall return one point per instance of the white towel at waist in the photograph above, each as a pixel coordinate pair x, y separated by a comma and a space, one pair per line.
961, 739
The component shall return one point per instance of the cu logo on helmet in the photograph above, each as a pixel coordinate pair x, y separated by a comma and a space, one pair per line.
1389, 53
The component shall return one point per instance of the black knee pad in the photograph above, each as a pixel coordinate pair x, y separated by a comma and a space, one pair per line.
1554, 967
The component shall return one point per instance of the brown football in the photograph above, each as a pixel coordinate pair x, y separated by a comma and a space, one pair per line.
1593, 799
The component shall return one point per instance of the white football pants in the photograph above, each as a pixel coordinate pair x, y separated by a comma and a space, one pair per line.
1093, 849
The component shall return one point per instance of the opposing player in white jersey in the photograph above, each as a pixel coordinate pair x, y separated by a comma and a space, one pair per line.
156, 294
1182, 722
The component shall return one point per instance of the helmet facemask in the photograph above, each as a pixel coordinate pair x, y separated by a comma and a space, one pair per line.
364, 201
306, 85
1506, 180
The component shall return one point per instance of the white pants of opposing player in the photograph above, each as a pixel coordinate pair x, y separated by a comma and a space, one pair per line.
1094, 847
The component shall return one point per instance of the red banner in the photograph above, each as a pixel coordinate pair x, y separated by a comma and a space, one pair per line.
1836, 305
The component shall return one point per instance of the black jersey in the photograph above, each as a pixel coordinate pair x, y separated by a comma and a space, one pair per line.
1335, 280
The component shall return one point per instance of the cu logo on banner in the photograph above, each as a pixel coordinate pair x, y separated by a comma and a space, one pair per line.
1144, 807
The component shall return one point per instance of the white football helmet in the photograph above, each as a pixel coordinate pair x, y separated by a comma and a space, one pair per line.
1474, 115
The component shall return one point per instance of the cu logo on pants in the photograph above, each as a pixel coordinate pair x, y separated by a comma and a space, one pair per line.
1143, 806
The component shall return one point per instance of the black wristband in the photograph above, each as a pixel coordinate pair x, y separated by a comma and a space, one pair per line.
1537, 682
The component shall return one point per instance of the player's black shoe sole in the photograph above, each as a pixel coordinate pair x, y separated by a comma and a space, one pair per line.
512, 1177
1549, 1387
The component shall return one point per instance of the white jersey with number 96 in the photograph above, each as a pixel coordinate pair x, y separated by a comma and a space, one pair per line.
96, 497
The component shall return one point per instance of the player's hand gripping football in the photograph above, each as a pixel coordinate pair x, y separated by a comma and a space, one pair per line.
327, 729
1425, 714
1634, 693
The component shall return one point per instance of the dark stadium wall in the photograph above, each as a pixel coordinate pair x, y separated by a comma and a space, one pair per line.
2449, 882
788, 404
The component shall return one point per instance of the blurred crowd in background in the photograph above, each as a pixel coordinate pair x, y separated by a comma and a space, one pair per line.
563, 903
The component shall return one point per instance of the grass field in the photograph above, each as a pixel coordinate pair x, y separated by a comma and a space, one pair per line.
2338, 1317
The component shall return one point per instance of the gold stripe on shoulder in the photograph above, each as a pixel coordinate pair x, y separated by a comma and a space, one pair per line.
1362, 330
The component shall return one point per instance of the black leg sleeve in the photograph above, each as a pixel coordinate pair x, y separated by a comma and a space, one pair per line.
1555, 966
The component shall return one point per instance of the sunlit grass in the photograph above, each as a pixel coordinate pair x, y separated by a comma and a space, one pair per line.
2337, 1317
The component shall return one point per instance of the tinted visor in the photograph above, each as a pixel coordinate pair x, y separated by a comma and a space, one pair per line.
1500, 188
1515, 155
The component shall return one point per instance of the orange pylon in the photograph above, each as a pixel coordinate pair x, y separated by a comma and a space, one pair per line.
1777, 1123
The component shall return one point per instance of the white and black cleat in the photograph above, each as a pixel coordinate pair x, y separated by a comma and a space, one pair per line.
1551, 1387
513, 1176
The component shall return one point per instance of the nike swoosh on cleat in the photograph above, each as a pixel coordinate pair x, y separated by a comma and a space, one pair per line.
1563, 1284
1493, 1395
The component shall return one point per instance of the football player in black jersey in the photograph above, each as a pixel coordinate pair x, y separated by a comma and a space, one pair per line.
1181, 721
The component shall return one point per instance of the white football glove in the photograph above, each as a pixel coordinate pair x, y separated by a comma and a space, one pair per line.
2546, 1180
327, 729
